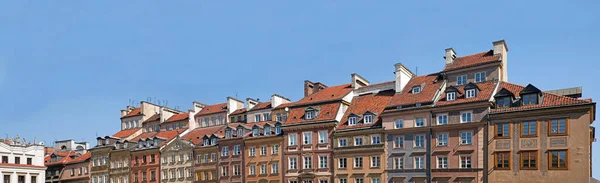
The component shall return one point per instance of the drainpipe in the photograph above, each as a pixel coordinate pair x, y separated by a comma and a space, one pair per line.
485, 148
428, 150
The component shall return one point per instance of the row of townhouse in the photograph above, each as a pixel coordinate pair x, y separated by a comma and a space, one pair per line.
466, 123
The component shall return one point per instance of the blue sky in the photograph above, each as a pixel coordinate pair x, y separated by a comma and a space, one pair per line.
66, 69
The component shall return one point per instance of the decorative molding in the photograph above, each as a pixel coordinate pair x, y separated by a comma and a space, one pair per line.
502, 144
559, 142
529, 143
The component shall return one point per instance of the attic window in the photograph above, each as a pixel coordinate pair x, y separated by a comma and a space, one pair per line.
502, 102
368, 119
451, 96
416, 89
309, 115
352, 121
471, 93
530, 99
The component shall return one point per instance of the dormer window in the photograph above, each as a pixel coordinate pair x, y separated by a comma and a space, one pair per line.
206, 142
213, 141
530, 99
416, 89
278, 129
530, 95
503, 102
267, 130
309, 115
239, 132
227, 133
368, 119
255, 132
451, 96
471, 93
140, 144
100, 142
352, 121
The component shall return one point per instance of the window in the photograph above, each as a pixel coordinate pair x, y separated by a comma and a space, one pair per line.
442, 162
342, 163
352, 121
152, 158
419, 122
558, 127
29, 161
465, 117
267, 116
263, 150
375, 161
375, 180
399, 124
267, 130
358, 162
399, 142
307, 162
419, 162
293, 163
343, 180
323, 162
275, 149
450, 96
466, 138
257, 117
322, 137
461, 80
558, 159
358, 180
225, 151
277, 129
17, 160
358, 141
503, 160
503, 102
502, 130
153, 175
307, 136
530, 99
471, 93
263, 169
213, 157
419, 140
465, 162
205, 158
528, 159
399, 163
442, 119
292, 139
72, 171
442, 139
323, 181
309, 115
368, 119
375, 139
255, 132
4, 159
236, 170
236, 150
479, 77
342, 143
275, 168
529, 129
252, 151
416, 89
252, 170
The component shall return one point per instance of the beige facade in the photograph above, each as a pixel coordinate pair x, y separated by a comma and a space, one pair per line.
365, 162
177, 156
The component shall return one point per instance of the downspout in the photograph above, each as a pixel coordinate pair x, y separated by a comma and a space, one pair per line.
428, 150
486, 148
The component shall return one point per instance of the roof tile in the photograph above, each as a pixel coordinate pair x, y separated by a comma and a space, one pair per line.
134, 112
549, 100
374, 103
472, 60
429, 87
126, 133
195, 136
485, 92
213, 109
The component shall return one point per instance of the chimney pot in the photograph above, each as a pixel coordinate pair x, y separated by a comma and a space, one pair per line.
403, 75
450, 55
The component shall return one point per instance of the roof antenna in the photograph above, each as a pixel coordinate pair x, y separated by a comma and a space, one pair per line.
417, 71
236, 95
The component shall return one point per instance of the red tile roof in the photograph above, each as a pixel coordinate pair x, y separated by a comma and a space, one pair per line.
154, 117
213, 109
485, 92
472, 60
379, 84
429, 86
144, 136
126, 133
262, 105
178, 117
82, 158
284, 105
327, 111
134, 112
374, 103
195, 136
64, 157
170, 134
549, 99
239, 111
327, 94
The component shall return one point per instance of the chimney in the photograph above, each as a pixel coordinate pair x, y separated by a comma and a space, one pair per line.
277, 100
358, 81
403, 75
233, 104
501, 50
308, 88
251, 103
450, 56
123, 113
198, 106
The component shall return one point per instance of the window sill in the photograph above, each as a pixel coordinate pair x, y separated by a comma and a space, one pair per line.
357, 168
557, 134
342, 168
558, 169
529, 136
441, 145
502, 137
528, 168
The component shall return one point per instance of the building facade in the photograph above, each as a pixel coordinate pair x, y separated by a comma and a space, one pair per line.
231, 153
21, 161
77, 170
177, 156
205, 152
263, 156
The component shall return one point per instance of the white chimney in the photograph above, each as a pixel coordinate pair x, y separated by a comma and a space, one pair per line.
358, 81
251, 103
501, 50
450, 55
403, 75
233, 104
277, 100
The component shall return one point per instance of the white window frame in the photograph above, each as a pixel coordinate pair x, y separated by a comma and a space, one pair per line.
306, 138
446, 139
442, 118
323, 137
352, 121
399, 142
340, 142
470, 93
415, 141
356, 141
450, 96
399, 124
470, 114
417, 122
416, 89
293, 165
480, 77
263, 150
323, 161
275, 149
340, 163
398, 163
368, 119
470, 162
274, 168
442, 164
293, 141
461, 80
373, 137
307, 164
469, 140
417, 165
356, 163
252, 151
375, 161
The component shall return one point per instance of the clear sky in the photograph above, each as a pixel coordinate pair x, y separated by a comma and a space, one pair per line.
67, 69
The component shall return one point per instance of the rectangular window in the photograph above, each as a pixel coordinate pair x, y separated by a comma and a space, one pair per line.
530, 99
257, 118
307, 161
461, 80
466, 138
322, 137
352, 121
309, 115
236, 150
275, 168
323, 162
342, 180
358, 162
17, 160
529, 129
375, 180
419, 162
465, 162
399, 142
465, 117
416, 90
358, 141
399, 163
358, 180
224, 151
342, 143
471, 93
502, 130
442, 139
399, 124
375, 139
267, 117
342, 163
375, 161
480, 77
419, 122
442, 119
442, 162
263, 169
503, 160
558, 159
236, 170
252, 170
275, 149
4, 159
252, 151
558, 127
368, 119
29, 161
419, 140
450, 96
502, 102
293, 163
307, 137
292, 139
528, 160
263, 150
